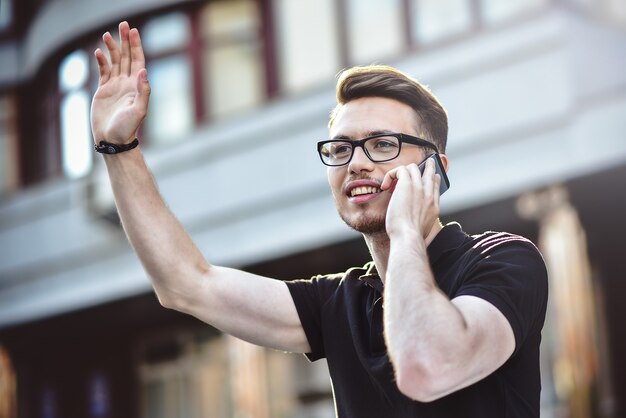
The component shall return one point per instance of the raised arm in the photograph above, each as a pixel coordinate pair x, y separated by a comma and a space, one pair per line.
257, 309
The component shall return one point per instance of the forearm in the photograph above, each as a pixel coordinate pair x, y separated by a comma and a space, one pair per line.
169, 256
424, 330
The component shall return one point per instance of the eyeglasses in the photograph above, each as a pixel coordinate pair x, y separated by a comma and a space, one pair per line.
378, 148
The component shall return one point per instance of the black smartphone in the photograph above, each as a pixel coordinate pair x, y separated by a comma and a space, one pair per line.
445, 183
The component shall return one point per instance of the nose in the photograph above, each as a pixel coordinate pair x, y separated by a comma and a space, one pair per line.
360, 161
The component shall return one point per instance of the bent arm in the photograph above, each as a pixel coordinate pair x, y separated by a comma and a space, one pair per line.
437, 345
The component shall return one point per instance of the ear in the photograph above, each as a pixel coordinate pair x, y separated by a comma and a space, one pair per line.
444, 161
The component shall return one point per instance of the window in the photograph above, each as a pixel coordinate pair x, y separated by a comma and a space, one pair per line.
171, 112
49, 403
6, 14
166, 33
9, 178
494, 11
233, 74
308, 43
99, 395
219, 376
376, 30
76, 142
438, 19
170, 116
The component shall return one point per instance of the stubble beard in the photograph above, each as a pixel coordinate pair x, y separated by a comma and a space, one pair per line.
363, 223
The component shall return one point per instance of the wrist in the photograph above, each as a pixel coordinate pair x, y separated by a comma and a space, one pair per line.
104, 147
403, 228
406, 237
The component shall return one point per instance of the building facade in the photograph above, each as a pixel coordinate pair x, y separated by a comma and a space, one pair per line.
241, 91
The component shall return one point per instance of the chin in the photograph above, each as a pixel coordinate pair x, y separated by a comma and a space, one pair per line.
364, 224
367, 219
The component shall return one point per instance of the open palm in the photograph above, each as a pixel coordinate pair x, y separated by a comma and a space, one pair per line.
121, 101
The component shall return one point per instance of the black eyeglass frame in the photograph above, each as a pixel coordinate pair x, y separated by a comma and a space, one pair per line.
409, 139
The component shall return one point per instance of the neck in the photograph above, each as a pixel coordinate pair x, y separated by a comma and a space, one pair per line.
378, 245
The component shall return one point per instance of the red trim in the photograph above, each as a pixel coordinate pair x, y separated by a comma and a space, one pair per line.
54, 160
195, 56
268, 36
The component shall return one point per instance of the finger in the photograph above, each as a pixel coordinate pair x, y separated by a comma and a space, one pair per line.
390, 177
114, 53
402, 178
436, 187
416, 176
143, 93
428, 177
137, 58
103, 66
429, 170
125, 45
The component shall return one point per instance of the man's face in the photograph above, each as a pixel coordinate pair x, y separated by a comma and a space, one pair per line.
358, 119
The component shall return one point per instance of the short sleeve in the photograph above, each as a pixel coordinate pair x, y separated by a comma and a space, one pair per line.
309, 296
511, 275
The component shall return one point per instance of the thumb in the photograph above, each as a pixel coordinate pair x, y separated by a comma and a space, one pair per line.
143, 90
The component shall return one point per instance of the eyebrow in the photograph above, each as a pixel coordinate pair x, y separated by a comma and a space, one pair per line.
367, 134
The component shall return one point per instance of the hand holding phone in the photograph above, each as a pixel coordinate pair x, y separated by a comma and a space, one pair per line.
445, 183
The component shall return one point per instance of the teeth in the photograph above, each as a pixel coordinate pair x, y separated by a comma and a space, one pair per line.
363, 190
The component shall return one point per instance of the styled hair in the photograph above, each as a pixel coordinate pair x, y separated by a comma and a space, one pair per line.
384, 81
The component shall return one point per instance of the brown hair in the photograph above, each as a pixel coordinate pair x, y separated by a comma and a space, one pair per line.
384, 81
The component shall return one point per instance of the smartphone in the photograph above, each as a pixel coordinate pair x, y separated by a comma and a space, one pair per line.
445, 183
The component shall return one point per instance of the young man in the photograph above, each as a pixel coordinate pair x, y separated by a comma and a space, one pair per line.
439, 324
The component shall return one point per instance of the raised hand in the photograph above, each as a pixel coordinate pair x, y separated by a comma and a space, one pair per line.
121, 101
414, 203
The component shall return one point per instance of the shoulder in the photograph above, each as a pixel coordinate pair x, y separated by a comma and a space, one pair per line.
338, 279
508, 271
505, 247
462, 251
453, 241
322, 286
490, 241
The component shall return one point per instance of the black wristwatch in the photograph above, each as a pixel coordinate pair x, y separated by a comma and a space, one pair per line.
107, 148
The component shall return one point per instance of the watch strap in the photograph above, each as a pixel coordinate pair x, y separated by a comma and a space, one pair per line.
107, 148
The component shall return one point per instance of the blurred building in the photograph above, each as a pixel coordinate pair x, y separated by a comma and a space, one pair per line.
536, 95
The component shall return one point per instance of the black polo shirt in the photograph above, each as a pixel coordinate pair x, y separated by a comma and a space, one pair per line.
342, 316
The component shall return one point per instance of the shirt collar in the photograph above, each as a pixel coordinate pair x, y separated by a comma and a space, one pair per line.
448, 239
371, 277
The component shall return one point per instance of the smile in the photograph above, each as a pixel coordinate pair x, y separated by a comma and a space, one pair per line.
363, 190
